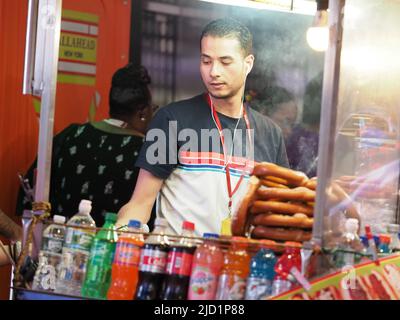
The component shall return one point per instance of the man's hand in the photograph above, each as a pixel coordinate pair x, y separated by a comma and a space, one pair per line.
142, 201
9, 229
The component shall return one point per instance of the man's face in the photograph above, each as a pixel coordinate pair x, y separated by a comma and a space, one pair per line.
224, 66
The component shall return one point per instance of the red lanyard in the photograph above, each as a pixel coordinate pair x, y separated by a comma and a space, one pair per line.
221, 135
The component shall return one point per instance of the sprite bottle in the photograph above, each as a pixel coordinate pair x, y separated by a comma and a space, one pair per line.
98, 274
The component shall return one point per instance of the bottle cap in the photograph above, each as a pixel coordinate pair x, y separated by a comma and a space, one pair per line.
85, 206
134, 224
351, 225
161, 222
211, 235
385, 238
188, 225
112, 217
59, 219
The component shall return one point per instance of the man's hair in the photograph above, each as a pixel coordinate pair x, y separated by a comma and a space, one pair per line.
230, 28
312, 101
129, 91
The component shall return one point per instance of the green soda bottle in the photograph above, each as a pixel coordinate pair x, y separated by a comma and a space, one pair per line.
98, 274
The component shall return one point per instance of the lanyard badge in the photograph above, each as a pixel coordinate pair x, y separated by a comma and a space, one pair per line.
226, 223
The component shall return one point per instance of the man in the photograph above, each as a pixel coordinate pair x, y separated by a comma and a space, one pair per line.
205, 184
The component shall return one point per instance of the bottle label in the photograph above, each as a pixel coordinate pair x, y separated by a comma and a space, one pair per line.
258, 288
127, 254
203, 283
46, 274
179, 263
101, 258
231, 287
153, 260
79, 238
53, 245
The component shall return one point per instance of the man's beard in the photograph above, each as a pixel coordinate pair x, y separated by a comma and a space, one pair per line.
224, 96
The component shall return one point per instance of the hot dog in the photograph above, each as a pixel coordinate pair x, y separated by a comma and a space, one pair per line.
297, 194
265, 169
261, 232
260, 206
240, 219
298, 220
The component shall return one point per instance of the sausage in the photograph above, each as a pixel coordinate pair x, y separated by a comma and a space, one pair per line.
240, 219
347, 202
311, 184
260, 206
277, 180
265, 169
297, 194
298, 220
261, 232
272, 184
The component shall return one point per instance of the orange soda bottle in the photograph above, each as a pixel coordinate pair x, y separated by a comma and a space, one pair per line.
232, 282
125, 268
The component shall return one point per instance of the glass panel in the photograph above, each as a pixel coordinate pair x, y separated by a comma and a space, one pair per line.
366, 157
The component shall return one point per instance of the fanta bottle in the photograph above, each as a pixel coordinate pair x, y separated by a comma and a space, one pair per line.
206, 268
283, 280
125, 268
232, 282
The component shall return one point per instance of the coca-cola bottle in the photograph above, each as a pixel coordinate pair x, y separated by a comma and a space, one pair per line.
153, 261
179, 265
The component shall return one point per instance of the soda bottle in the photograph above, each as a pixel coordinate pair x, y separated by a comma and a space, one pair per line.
98, 275
283, 280
50, 256
76, 250
125, 268
153, 262
384, 242
206, 269
179, 265
232, 281
259, 283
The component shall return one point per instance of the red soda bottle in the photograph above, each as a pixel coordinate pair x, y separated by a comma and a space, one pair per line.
125, 268
179, 266
283, 280
232, 282
206, 268
153, 261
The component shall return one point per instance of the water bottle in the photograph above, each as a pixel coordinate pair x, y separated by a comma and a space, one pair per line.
76, 250
50, 256
259, 282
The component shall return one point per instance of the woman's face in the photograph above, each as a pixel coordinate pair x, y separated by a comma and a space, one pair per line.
285, 116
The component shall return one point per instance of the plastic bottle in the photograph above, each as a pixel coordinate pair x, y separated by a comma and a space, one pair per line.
384, 243
153, 262
179, 265
350, 245
98, 275
232, 282
76, 250
372, 246
259, 283
393, 230
283, 280
50, 256
125, 268
206, 269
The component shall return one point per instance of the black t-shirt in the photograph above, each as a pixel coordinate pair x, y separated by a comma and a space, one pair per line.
183, 148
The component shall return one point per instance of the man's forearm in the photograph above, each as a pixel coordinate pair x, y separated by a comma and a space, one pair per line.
8, 228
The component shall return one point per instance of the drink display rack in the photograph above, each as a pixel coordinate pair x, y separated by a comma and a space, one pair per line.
348, 86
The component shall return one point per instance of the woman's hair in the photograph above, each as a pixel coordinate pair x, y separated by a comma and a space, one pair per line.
129, 91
